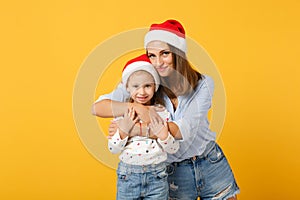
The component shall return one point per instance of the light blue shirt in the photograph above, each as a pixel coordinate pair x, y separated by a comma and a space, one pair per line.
190, 117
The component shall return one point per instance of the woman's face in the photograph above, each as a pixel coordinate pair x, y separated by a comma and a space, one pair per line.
161, 57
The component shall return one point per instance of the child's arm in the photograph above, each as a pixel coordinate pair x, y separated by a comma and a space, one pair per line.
116, 144
170, 145
164, 115
164, 138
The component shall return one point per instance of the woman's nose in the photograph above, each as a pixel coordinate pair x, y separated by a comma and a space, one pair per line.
158, 62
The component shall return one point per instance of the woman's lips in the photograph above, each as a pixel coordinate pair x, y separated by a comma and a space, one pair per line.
161, 69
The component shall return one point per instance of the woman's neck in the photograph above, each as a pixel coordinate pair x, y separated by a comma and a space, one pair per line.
172, 85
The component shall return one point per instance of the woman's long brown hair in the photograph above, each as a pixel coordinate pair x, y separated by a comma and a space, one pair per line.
187, 78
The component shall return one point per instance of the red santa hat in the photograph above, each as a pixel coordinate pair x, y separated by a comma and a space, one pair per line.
170, 31
141, 62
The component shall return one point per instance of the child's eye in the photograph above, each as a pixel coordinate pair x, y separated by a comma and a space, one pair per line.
134, 86
148, 86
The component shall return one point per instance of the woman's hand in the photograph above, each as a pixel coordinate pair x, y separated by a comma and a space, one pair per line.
157, 125
143, 112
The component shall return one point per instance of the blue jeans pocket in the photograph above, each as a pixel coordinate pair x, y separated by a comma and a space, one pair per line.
215, 155
123, 176
125, 183
170, 169
161, 174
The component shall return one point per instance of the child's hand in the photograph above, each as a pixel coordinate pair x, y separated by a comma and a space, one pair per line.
112, 129
158, 126
130, 119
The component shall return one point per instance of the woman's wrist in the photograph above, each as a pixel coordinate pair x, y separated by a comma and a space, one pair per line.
142, 112
141, 129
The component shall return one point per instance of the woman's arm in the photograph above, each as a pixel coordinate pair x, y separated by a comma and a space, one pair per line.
112, 104
108, 108
174, 130
193, 123
194, 115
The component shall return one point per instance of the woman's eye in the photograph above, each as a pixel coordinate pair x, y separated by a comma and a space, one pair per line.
166, 53
151, 56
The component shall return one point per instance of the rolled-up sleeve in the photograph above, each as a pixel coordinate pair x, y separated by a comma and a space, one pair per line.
119, 94
193, 119
116, 144
170, 145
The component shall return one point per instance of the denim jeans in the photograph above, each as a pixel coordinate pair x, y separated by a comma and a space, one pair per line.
208, 176
147, 182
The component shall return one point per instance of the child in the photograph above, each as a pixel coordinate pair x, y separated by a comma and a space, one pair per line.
142, 170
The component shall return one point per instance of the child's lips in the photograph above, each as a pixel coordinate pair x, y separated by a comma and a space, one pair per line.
142, 98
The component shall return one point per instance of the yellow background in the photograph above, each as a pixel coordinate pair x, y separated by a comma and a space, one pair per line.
255, 45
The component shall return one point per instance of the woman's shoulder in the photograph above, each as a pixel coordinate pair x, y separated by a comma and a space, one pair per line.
206, 79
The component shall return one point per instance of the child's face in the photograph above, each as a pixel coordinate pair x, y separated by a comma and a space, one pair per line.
141, 87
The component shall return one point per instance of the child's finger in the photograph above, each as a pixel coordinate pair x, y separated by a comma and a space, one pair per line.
131, 114
165, 123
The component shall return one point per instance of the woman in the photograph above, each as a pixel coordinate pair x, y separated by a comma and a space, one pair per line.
199, 168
